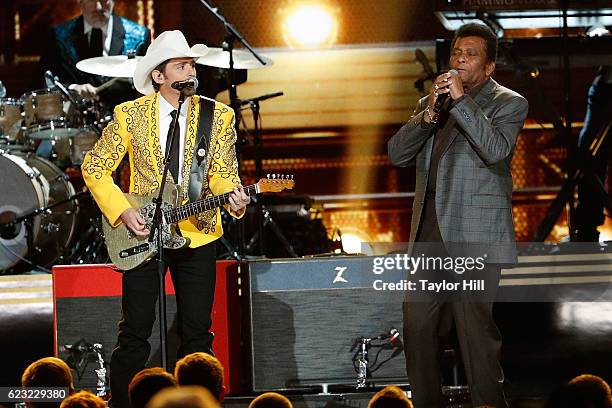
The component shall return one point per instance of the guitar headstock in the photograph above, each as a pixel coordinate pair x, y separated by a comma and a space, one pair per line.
273, 183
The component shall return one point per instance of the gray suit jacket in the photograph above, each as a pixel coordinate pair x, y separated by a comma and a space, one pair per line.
474, 183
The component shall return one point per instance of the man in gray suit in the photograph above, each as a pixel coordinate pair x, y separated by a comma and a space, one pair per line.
463, 202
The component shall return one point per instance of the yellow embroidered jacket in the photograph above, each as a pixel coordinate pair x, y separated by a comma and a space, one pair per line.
134, 130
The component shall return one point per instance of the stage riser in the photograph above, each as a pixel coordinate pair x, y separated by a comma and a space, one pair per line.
95, 321
88, 306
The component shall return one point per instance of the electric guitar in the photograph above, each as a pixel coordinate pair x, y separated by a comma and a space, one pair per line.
128, 250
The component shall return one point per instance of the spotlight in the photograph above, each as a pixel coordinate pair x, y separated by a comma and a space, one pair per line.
310, 26
598, 30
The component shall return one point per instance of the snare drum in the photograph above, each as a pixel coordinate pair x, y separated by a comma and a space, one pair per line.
11, 121
49, 115
31, 183
71, 151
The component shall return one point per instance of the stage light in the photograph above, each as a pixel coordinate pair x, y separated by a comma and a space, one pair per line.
597, 30
310, 26
605, 232
353, 240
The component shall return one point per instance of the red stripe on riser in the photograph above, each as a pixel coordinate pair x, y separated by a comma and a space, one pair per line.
71, 281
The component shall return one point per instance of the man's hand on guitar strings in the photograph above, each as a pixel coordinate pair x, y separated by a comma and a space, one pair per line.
134, 221
238, 199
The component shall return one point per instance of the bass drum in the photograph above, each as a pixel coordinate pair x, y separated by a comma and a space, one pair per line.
29, 183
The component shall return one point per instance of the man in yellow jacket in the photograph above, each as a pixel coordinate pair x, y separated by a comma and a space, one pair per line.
141, 128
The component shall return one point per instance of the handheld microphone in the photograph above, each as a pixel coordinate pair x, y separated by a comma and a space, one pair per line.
188, 83
443, 97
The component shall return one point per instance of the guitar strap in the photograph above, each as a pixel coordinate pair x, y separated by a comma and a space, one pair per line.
199, 165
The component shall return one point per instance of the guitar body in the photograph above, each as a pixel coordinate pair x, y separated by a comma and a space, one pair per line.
128, 251
119, 239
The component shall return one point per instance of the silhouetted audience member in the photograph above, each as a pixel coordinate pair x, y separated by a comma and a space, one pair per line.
584, 391
593, 390
390, 397
190, 396
271, 400
147, 383
83, 399
47, 372
201, 369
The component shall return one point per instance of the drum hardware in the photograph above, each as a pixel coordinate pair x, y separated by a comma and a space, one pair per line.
9, 230
233, 59
81, 107
35, 197
11, 118
116, 66
264, 218
46, 116
67, 125
220, 58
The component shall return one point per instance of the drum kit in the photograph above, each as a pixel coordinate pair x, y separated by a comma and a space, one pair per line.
44, 136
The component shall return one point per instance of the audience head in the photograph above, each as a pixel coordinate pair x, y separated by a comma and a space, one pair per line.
390, 397
584, 391
47, 372
83, 399
593, 390
201, 369
189, 396
271, 400
147, 383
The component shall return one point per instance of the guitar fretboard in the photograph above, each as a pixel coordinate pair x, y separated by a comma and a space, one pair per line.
185, 211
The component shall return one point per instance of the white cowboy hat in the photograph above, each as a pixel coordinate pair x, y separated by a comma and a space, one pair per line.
169, 44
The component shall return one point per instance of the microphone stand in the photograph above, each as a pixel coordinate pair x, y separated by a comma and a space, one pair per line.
156, 235
78, 105
228, 45
258, 144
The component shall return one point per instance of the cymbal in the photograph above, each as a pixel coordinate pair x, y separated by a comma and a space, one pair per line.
117, 66
216, 57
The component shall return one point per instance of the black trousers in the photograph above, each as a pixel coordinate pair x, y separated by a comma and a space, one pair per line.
429, 319
590, 208
194, 276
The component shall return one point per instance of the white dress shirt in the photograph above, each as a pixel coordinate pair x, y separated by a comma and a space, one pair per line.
165, 121
107, 34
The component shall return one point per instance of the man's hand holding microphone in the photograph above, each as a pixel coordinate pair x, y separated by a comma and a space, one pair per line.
445, 85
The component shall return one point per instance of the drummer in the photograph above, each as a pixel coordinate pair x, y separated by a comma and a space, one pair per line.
96, 32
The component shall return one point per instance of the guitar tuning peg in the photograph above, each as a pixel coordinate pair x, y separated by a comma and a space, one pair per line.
268, 175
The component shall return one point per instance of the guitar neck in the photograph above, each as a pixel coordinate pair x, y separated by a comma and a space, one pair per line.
185, 211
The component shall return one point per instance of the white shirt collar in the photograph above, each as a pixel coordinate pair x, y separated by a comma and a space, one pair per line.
88, 27
165, 108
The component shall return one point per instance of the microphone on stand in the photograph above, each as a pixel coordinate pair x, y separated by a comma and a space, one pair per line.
394, 338
188, 83
53, 81
443, 97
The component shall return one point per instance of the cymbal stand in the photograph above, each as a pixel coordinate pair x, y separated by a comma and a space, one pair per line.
263, 214
228, 45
